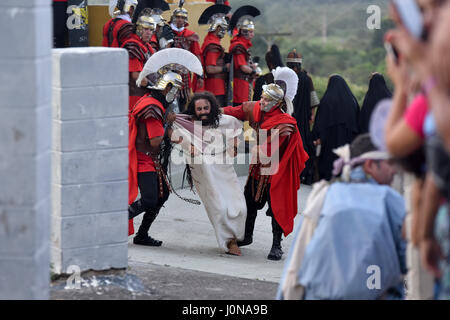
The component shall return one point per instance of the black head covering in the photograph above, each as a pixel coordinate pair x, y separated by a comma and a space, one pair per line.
377, 91
336, 122
273, 59
303, 113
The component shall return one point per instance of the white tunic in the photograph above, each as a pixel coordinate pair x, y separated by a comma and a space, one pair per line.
218, 185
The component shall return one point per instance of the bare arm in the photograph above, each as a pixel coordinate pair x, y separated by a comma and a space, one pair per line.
246, 69
429, 248
401, 140
440, 104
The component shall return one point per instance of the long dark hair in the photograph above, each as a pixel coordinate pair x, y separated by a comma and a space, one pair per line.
214, 116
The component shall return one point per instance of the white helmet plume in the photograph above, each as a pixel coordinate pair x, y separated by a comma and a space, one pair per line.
171, 56
290, 79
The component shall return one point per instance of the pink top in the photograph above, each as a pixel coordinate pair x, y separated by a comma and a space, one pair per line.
416, 113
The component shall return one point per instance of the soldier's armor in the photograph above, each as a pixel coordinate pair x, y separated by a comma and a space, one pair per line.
213, 47
238, 73
142, 141
115, 32
136, 51
182, 42
185, 43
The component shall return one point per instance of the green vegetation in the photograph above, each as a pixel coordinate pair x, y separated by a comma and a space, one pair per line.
347, 47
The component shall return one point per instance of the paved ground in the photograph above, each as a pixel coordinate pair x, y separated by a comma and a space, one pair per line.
145, 281
189, 265
189, 242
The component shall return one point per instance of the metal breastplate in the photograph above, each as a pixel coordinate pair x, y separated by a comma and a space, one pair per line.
181, 42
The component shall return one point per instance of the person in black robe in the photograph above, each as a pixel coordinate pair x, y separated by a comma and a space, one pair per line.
336, 123
273, 60
377, 91
304, 103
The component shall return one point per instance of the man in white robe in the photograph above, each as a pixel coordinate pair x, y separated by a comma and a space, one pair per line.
209, 150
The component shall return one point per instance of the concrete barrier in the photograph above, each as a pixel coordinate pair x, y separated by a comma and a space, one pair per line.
25, 131
90, 159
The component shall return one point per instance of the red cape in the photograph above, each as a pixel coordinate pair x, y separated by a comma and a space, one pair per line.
115, 42
132, 152
210, 38
286, 182
240, 40
227, 3
146, 47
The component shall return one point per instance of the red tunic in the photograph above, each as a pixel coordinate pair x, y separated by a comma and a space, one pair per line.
139, 52
154, 43
241, 87
285, 183
116, 32
139, 162
227, 3
188, 40
211, 54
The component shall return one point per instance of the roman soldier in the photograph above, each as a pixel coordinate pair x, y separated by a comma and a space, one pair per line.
244, 71
213, 54
187, 40
148, 130
139, 50
120, 27
158, 40
278, 158
305, 103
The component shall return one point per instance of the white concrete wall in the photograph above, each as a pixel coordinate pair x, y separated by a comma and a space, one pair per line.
90, 159
25, 133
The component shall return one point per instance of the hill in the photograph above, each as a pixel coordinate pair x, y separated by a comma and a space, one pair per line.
332, 35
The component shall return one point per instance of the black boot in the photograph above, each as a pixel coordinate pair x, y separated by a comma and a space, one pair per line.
249, 227
142, 237
276, 253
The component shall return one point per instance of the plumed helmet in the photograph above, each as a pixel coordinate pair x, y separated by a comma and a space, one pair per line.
145, 21
273, 91
157, 6
167, 77
117, 7
215, 17
243, 18
218, 21
169, 62
180, 11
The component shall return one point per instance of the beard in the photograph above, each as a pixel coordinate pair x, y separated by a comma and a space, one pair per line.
206, 121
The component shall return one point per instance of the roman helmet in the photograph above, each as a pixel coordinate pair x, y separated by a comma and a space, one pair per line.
180, 12
283, 91
168, 65
243, 18
215, 17
145, 21
118, 7
157, 7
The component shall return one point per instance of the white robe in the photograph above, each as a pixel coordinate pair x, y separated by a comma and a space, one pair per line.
218, 186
